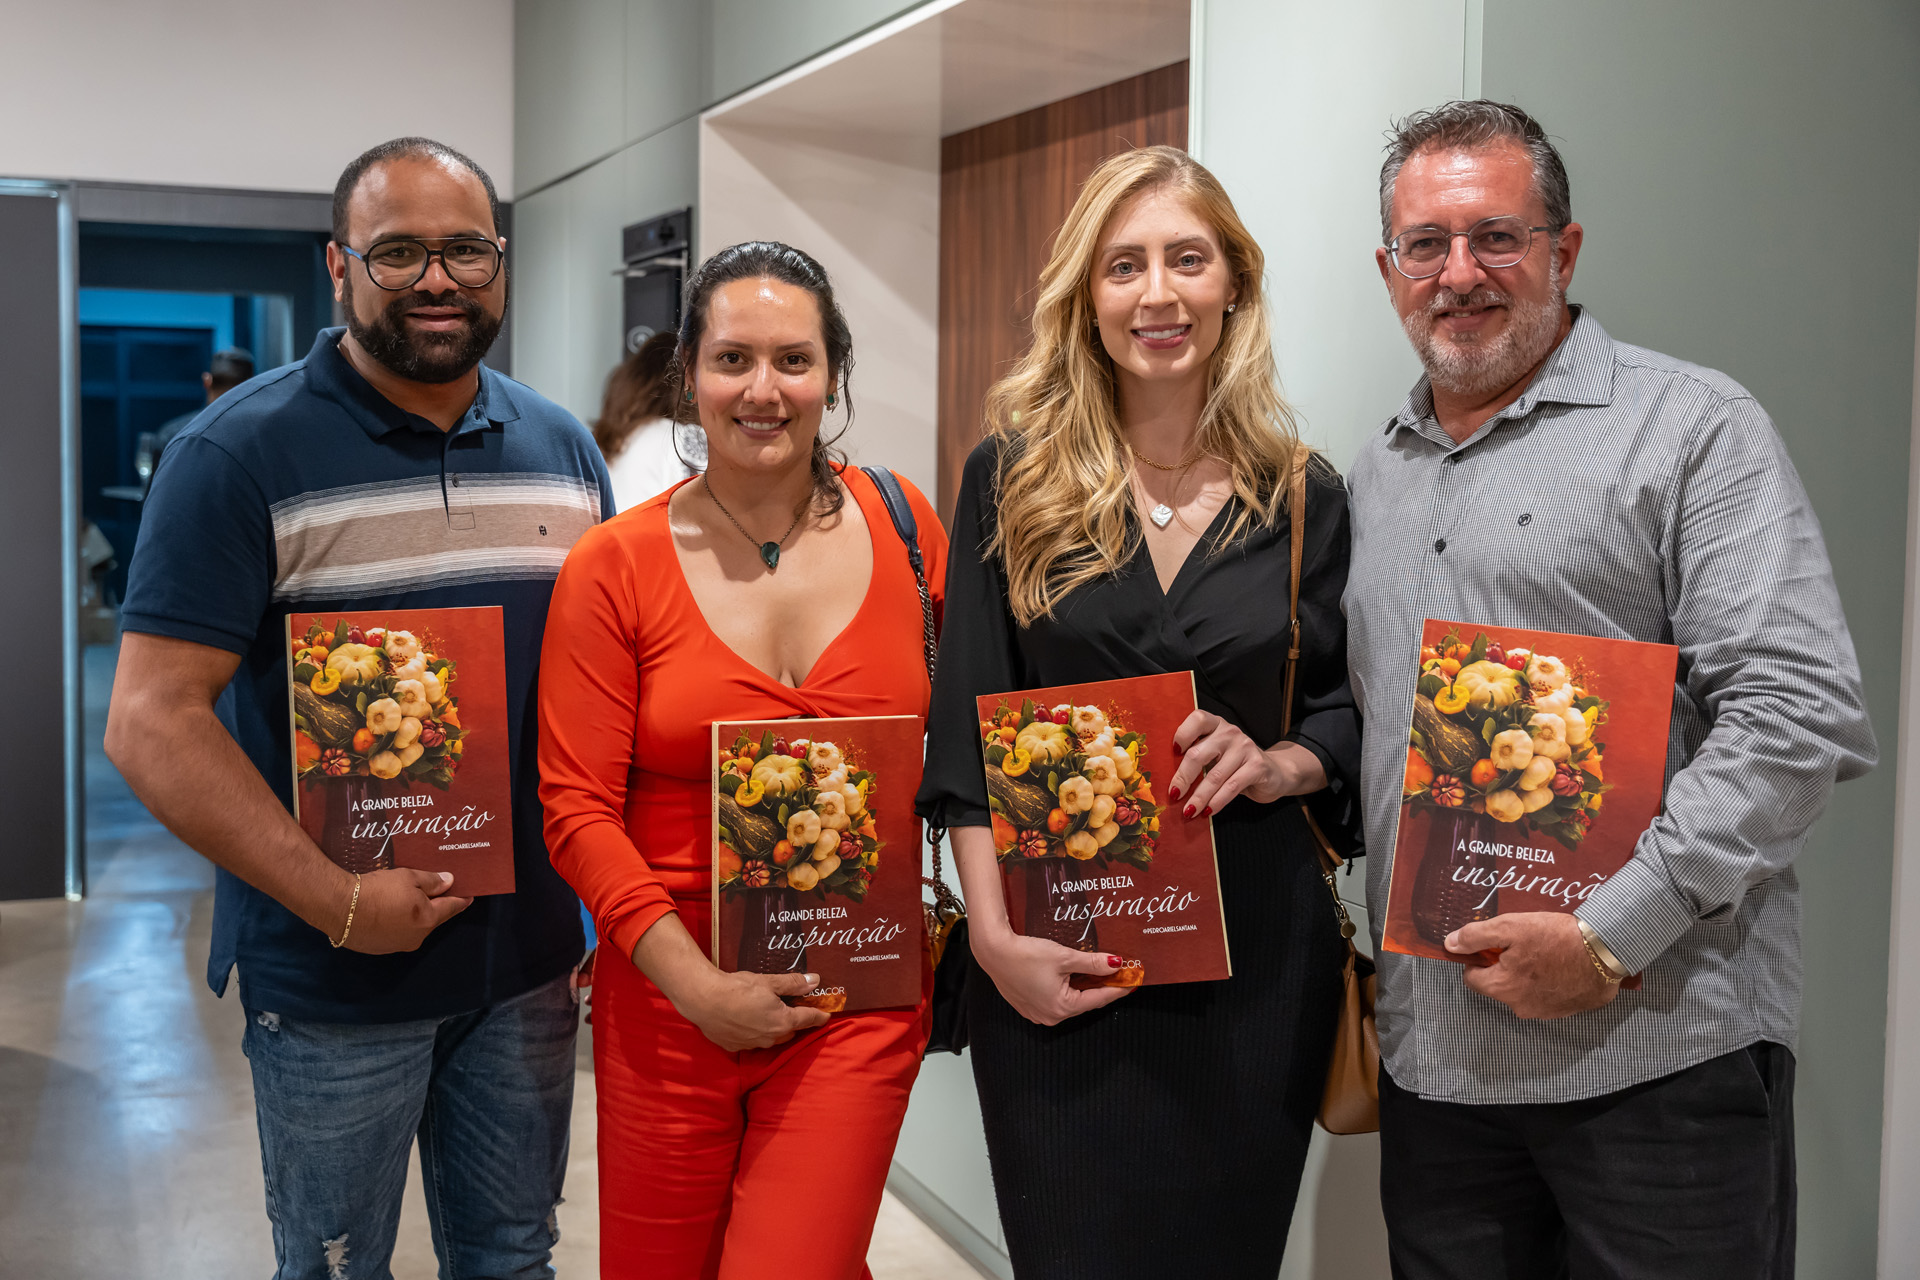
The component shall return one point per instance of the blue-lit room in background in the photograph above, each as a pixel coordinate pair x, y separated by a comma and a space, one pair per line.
142, 354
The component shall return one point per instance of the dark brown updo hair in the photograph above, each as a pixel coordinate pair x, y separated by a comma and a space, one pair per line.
640, 389
771, 260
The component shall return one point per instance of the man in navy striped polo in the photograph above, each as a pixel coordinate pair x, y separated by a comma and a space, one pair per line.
389, 469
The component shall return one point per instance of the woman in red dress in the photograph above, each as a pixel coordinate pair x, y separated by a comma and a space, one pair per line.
739, 1136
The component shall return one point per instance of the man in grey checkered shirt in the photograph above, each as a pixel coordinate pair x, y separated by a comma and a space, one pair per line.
1535, 1118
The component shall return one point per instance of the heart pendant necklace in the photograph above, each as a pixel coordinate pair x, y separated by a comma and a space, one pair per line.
1162, 514
769, 551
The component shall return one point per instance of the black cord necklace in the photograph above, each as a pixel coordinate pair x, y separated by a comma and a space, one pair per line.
769, 551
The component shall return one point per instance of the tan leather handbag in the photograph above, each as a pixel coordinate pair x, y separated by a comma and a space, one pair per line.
1350, 1102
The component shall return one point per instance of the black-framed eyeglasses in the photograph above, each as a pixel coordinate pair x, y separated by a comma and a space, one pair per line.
401, 264
1419, 252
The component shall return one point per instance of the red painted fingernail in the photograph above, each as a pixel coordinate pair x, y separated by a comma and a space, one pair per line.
1189, 811
1114, 962
1173, 793
1207, 812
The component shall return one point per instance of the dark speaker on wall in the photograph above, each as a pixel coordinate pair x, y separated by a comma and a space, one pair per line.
655, 256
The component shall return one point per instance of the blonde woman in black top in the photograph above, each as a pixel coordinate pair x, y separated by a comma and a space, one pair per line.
1126, 516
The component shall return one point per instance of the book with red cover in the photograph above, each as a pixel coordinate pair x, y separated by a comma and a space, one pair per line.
1535, 760
816, 856
1090, 856
400, 741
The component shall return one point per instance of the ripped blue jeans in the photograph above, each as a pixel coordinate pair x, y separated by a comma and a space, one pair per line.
490, 1095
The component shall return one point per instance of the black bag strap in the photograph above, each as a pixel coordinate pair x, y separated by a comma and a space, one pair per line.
908, 528
904, 524
901, 510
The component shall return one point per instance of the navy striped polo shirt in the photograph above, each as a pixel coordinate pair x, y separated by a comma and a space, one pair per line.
305, 489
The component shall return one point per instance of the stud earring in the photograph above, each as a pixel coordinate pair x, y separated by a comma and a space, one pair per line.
1231, 306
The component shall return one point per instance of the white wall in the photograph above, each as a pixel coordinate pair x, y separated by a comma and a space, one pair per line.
1293, 99
227, 93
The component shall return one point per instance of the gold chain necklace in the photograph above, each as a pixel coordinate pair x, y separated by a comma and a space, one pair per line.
1162, 514
1182, 465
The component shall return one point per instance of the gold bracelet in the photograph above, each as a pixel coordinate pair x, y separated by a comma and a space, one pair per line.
354, 902
1605, 953
1607, 967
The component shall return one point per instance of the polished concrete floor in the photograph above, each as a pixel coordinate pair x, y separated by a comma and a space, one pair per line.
127, 1142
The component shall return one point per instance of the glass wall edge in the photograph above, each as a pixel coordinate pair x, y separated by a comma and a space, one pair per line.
73, 671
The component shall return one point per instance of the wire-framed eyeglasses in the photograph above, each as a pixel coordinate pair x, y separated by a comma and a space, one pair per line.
1419, 252
401, 264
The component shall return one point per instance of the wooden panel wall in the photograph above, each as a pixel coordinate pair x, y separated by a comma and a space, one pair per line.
1005, 188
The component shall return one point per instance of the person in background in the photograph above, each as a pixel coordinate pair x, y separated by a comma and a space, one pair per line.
1127, 516
740, 1137
389, 469
647, 450
1534, 1116
229, 367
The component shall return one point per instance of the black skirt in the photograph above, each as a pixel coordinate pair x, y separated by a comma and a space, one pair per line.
1165, 1134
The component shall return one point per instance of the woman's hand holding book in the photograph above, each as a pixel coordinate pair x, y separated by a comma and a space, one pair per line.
1219, 762
1034, 974
737, 1011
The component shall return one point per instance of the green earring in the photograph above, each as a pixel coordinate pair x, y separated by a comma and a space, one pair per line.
689, 395
831, 401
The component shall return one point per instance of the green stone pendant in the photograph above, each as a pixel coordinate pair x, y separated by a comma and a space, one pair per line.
770, 552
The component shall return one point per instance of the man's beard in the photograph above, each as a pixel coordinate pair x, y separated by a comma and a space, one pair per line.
1470, 365
425, 356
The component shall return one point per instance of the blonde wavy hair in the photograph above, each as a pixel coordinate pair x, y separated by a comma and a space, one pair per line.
1064, 484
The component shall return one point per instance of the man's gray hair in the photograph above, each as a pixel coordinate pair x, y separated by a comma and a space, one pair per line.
1464, 125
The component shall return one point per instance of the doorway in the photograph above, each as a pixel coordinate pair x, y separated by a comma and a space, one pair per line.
133, 380
144, 354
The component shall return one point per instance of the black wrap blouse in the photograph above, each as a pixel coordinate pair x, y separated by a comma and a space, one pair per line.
1224, 619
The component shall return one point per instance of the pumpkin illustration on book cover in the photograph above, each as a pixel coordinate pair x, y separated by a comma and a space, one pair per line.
1067, 788
1503, 741
398, 727
372, 705
796, 821
1089, 856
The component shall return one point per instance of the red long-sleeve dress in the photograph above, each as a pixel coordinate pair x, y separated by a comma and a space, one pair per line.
714, 1164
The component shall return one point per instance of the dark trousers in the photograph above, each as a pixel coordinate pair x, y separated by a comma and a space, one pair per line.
1690, 1175
1163, 1137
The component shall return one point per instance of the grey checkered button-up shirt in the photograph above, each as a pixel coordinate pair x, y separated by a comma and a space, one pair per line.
1630, 495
